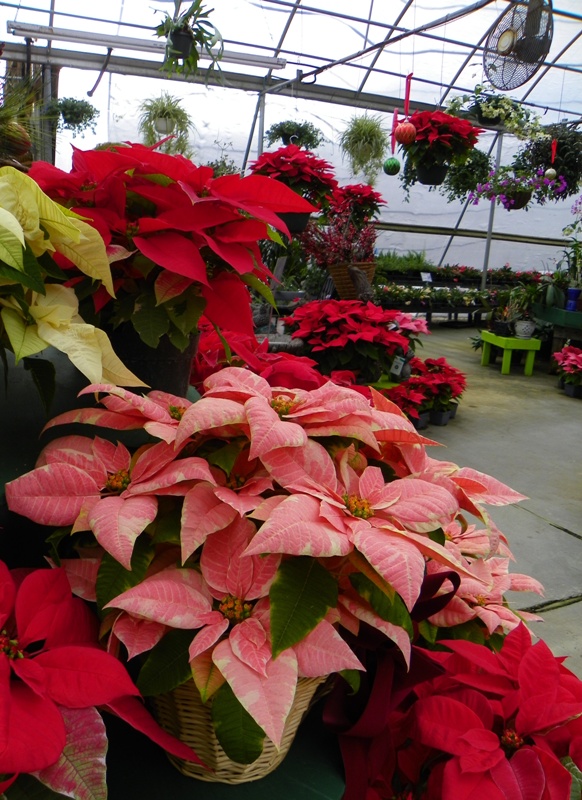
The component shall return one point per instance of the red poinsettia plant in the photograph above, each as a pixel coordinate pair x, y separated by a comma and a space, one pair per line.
359, 200
440, 139
180, 242
469, 721
304, 172
55, 679
351, 335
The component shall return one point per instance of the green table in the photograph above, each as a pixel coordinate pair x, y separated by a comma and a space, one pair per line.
508, 344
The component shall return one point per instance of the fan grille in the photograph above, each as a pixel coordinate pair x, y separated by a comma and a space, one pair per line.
518, 43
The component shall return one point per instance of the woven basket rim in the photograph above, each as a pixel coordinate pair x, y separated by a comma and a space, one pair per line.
343, 282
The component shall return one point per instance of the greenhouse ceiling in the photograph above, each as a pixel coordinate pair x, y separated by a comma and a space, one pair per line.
314, 49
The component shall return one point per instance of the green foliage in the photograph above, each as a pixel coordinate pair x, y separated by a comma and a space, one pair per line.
301, 595
223, 165
303, 134
239, 735
193, 24
391, 609
73, 115
463, 178
166, 666
537, 154
169, 108
365, 142
113, 579
392, 261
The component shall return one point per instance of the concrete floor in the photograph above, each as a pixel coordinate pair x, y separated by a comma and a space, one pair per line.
528, 434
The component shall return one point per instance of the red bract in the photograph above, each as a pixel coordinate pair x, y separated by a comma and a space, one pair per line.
52, 675
440, 138
360, 201
174, 233
301, 170
569, 361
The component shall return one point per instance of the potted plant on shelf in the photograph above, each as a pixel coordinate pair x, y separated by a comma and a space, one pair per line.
165, 117
571, 263
365, 142
181, 243
289, 131
441, 140
516, 191
189, 34
309, 176
492, 109
569, 361
522, 299
228, 551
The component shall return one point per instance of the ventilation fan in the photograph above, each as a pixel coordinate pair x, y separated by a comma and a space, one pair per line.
517, 43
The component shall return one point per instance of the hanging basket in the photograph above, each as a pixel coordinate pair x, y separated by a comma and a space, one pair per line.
342, 280
432, 175
182, 713
179, 44
520, 200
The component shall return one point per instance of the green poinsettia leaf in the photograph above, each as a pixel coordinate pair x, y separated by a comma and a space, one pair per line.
149, 320
437, 536
186, 314
259, 286
391, 609
44, 376
353, 678
428, 631
301, 595
238, 733
225, 457
113, 579
576, 787
28, 788
167, 664
167, 525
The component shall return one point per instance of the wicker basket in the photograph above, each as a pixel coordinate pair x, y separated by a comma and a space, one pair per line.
183, 714
343, 282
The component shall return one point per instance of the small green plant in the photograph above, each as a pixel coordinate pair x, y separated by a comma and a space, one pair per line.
189, 34
169, 108
223, 165
73, 115
566, 161
463, 178
365, 142
303, 134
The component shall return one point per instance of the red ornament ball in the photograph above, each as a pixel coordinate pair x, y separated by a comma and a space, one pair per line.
405, 133
391, 166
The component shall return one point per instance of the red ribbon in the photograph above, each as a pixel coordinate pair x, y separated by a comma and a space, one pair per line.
394, 124
554, 149
407, 94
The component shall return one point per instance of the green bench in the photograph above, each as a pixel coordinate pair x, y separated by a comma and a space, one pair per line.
508, 344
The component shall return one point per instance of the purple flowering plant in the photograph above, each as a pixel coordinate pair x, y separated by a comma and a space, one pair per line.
504, 184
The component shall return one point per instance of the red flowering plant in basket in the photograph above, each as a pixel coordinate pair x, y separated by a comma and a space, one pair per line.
350, 335
244, 532
180, 242
55, 679
359, 200
339, 240
311, 177
440, 138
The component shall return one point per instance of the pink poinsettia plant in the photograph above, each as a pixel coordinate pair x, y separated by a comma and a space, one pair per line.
55, 679
569, 361
180, 241
254, 531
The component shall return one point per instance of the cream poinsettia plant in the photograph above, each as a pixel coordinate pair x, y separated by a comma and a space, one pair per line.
37, 309
254, 534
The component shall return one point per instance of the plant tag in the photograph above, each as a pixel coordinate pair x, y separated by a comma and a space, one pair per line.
426, 277
397, 364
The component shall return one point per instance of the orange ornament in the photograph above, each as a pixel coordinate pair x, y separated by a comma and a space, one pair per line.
405, 133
